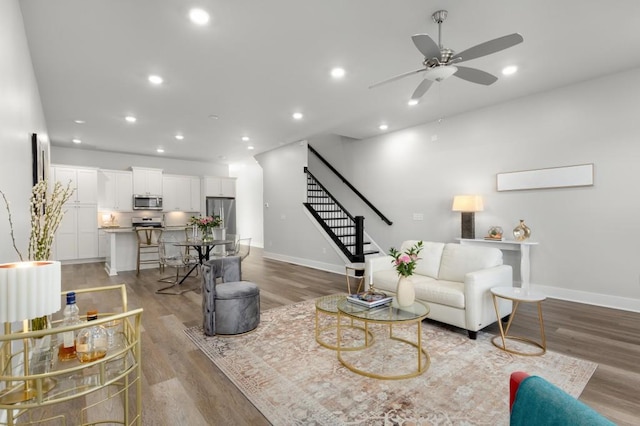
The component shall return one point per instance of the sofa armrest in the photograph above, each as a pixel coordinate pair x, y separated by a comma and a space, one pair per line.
479, 309
374, 264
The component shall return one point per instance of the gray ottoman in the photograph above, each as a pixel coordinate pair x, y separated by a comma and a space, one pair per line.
231, 306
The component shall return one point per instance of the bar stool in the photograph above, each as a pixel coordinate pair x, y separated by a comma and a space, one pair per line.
148, 239
355, 275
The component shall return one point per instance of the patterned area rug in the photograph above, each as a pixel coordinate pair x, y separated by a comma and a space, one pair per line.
293, 380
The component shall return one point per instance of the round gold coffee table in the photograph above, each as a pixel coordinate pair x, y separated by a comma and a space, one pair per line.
327, 305
392, 316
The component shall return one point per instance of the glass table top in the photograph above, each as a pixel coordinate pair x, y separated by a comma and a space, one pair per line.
387, 313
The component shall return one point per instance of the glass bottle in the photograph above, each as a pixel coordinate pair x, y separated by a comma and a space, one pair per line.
91, 343
67, 349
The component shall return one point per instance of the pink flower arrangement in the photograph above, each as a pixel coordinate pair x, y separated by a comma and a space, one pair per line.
405, 262
206, 223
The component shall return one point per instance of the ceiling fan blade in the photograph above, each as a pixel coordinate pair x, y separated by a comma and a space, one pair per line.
488, 47
421, 89
397, 77
475, 75
426, 46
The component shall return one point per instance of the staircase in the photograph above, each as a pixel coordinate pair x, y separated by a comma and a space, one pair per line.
345, 230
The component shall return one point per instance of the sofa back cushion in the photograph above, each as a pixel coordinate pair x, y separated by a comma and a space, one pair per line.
458, 260
430, 256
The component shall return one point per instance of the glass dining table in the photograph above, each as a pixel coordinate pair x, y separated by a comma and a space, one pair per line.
203, 248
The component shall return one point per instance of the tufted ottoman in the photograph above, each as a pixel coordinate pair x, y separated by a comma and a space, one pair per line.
231, 306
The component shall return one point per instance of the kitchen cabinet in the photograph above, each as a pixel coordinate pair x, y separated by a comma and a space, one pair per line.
83, 180
115, 190
147, 181
219, 186
77, 235
181, 193
102, 243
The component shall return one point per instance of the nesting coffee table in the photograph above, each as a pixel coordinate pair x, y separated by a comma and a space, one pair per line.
328, 306
389, 315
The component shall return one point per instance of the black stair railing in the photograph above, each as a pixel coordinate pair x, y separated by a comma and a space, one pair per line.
350, 186
345, 230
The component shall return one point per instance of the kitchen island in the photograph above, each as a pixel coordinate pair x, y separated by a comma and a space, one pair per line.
122, 248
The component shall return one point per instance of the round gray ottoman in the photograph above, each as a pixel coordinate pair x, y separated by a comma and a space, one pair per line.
237, 308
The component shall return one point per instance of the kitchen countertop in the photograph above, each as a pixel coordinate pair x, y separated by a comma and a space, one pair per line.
119, 229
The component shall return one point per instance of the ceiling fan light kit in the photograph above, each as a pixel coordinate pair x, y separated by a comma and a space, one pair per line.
438, 60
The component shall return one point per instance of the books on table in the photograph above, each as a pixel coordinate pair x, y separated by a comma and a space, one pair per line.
370, 300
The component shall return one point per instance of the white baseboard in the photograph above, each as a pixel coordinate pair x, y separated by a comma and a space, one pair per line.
597, 299
305, 262
614, 302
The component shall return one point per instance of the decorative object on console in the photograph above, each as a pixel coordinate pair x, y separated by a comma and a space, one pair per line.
28, 290
405, 264
521, 232
495, 233
467, 205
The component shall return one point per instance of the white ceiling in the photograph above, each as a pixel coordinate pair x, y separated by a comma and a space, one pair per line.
258, 61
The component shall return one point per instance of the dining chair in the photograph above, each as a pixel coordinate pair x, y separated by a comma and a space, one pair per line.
147, 246
173, 256
244, 248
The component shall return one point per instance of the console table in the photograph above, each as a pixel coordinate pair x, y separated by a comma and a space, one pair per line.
522, 246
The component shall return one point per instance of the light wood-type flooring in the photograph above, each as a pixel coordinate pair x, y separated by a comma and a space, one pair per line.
181, 386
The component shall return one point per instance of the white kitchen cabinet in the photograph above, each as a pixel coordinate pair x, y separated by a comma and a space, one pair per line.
147, 181
83, 180
77, 235
219, 187
115, 190
102, 243
181, 193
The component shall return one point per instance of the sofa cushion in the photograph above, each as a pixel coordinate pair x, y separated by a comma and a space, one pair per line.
448, 293
429, 259
458, 260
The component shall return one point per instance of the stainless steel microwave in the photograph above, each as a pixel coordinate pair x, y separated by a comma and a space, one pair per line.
147, 202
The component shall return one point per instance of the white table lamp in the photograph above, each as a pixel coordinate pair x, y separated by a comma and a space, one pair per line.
467, 205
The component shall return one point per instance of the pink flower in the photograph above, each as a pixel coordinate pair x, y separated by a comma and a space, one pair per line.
404, 258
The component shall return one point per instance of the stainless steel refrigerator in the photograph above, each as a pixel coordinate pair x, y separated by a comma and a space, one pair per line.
226, 209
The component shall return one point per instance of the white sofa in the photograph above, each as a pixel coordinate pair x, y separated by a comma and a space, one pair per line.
453, 279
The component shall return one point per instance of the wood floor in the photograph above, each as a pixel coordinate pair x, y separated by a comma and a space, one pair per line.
181, 386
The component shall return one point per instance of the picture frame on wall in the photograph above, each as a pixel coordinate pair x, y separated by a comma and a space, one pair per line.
39, 159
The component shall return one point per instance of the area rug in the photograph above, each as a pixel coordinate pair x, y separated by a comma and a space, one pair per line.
293, 380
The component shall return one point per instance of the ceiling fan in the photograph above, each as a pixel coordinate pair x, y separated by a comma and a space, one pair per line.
439, 61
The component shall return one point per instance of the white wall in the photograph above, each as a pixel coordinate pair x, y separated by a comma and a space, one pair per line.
588, 249
249, 221
121, 161
289, 235
20, 115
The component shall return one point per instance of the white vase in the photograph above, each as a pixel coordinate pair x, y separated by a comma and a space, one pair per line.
405, 293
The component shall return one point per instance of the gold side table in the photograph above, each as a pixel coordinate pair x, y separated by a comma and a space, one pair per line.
518, 295
352, 271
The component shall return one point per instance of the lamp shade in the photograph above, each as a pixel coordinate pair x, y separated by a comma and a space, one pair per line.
467, 203
29, 290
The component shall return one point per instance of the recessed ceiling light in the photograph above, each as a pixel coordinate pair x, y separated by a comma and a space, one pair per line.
337, 72
383, 127
159, 150
130, 118
79, 121
413, 102
511, 69
199, 16
250, 147
245, 138
76, 141
297, 116
213, 116
179, 137
155, 79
